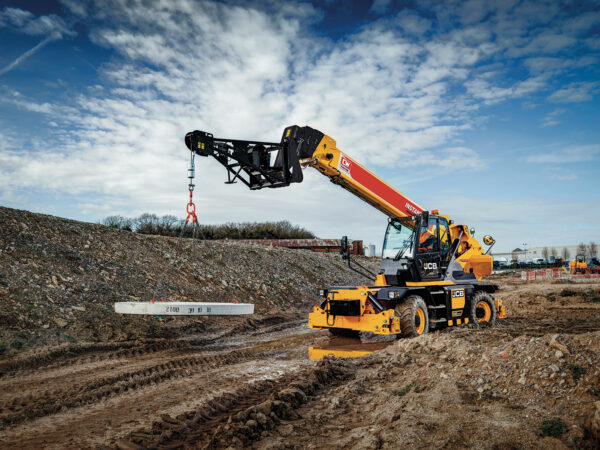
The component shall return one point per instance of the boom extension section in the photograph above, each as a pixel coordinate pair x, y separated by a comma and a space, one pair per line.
259, 164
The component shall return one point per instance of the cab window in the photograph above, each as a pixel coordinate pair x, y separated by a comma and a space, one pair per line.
444, 239
398, 241
428, 236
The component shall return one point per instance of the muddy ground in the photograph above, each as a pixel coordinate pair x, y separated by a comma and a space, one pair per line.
531, 381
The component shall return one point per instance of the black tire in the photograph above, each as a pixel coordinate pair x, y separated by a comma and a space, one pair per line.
345, 332
480, 314
411, 321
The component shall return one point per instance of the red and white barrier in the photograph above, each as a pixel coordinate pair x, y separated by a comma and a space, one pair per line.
553, 274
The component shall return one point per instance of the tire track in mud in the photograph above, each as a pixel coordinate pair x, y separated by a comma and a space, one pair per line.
539, 326
40, 402
81, 353
51, 402
76, 354
251, 327
243, 414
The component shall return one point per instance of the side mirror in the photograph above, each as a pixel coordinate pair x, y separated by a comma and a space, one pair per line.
344, 247
488, 240
472, 231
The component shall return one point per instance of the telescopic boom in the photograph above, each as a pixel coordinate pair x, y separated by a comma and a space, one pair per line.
273, 165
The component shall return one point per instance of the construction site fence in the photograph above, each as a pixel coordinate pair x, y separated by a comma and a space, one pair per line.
554, 274
316, 245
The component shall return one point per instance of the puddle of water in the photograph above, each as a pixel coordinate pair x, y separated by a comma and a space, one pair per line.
346, 348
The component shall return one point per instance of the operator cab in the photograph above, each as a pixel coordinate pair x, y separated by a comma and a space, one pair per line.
416, 248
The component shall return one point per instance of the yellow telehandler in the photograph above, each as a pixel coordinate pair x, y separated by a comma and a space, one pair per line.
431, 268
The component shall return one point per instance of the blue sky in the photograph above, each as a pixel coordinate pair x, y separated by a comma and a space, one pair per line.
487, 111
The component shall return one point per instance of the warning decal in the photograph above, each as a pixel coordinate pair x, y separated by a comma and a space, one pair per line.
344, 164
369, 181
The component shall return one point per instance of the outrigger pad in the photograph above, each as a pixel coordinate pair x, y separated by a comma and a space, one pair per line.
184, 308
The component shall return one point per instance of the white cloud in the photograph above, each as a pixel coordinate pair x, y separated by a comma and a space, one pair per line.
581, 23
552, 118
562, 173
485, 90
574, 154
25, 22
544, 43
463, 157
472, 11
380, 6
17, 99
547, 64
576, 92
412, 23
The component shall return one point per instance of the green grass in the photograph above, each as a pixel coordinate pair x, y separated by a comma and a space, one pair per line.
553, 427
402, 392
2, 348
17, 344
576, 371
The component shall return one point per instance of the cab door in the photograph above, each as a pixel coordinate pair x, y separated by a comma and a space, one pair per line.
427, 255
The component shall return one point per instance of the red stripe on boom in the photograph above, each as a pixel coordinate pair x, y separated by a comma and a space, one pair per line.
382, 190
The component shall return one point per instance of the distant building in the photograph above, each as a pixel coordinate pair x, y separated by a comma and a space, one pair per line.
533, 253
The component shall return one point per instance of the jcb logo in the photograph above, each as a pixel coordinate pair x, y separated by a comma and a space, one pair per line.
430, 266
458, 293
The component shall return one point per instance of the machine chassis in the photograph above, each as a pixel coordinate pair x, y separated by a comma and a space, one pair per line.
372, 308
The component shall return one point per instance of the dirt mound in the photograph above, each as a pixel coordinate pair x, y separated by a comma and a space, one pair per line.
460, 388
59, 279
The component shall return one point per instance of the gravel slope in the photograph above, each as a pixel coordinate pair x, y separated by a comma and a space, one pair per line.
59, 279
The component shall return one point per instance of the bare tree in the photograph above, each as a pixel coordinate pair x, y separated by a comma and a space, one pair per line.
120, 222
553, 252
582, 249
565, 254
592, 250
545, 253
113, 221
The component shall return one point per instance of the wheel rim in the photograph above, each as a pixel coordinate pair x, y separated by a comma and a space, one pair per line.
420, 321
483, 311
